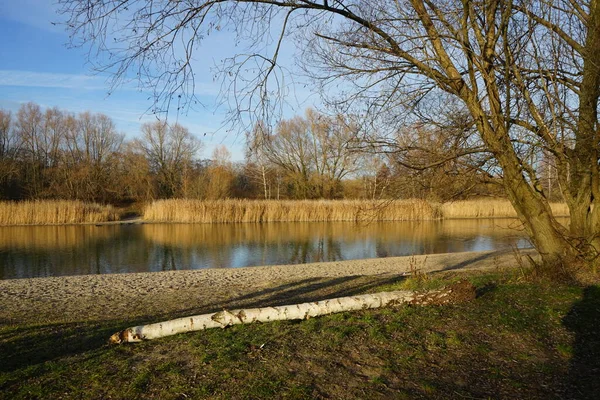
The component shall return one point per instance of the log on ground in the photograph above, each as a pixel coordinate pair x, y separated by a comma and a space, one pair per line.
460, 291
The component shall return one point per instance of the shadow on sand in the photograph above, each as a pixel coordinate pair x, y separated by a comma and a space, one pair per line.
24, 346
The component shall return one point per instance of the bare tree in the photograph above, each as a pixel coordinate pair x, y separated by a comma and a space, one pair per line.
220, 175
52, 136
375, 177
438, 163
96, 138
291, 149
6, 133
313, 151
525, 72
332, 150
170, 149
260, 169
29, 126
134, 171
9, 148
89, 165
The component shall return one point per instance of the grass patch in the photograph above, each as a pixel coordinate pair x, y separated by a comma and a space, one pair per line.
516, 340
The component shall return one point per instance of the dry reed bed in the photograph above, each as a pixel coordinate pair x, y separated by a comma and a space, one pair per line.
53, 212
233, 211
227, 211
488, 208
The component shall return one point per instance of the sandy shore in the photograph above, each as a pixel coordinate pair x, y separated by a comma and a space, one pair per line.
148, 296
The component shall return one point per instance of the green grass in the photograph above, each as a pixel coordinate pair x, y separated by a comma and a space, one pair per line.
516, 340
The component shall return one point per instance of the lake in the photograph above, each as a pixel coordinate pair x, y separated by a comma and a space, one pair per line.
40, 251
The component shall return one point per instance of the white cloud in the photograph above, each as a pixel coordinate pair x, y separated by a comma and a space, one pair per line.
82, 82
51, 80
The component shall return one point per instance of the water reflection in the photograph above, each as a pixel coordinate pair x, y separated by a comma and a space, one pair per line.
74, 250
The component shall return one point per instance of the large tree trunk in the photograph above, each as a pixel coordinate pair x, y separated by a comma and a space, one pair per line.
460, 291
532, 208
584, 196
547, 235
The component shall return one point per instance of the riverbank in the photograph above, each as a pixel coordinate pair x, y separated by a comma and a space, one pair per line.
139, 295
517, 339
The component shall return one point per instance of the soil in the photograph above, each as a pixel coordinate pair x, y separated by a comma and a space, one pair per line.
459, 292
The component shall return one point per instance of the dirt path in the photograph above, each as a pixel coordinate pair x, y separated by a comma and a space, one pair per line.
152, 295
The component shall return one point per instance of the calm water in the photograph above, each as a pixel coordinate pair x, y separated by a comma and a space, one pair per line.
75, 250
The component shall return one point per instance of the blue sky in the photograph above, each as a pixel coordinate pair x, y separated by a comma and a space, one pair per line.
37, 66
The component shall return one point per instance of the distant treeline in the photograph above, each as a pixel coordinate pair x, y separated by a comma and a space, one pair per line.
55, 154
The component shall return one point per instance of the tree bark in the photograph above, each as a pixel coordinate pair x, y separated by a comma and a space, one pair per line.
584, 188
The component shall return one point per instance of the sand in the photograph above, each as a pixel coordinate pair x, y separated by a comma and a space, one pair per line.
149, 296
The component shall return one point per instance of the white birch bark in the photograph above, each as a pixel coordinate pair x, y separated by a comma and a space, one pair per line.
226, 318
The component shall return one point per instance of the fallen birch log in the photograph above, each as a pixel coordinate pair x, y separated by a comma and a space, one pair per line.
460, 291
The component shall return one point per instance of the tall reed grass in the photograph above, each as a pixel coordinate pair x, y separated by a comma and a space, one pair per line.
196, 211
490, 208
53, 212
234, 211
